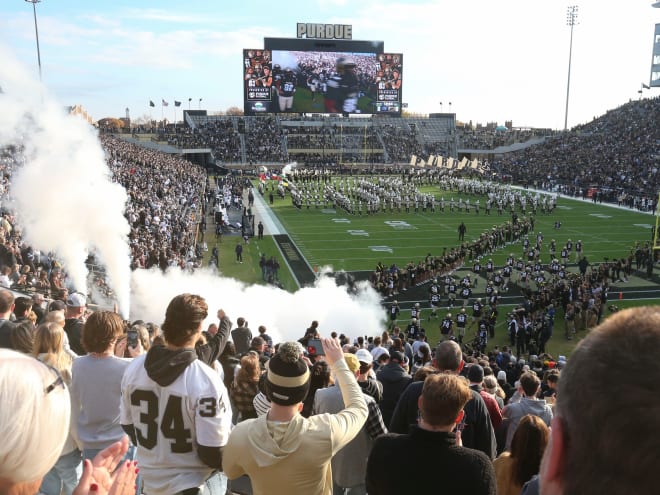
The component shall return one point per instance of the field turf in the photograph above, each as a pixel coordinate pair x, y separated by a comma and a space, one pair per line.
357, 243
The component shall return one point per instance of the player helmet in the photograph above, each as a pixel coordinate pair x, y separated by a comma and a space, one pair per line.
345, 63
417, 305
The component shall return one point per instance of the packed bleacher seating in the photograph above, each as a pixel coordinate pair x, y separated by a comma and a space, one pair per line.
165, 198
263, 141
615, 154
491, 137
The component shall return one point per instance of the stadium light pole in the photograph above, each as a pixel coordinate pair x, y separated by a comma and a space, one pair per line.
36, 32
571, 20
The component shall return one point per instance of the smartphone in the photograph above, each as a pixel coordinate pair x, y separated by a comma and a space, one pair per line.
132, 338
315, 348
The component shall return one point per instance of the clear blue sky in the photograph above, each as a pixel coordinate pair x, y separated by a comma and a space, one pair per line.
494, 61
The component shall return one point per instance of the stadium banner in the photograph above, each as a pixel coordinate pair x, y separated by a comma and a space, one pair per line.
257, 81
655, 62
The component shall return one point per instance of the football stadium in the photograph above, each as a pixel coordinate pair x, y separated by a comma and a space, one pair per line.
280, 298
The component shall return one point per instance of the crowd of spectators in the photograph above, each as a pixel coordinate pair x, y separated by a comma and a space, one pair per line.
165, 198
164, 203
615, 157
400, 143
264, 141
491, 137
104, 349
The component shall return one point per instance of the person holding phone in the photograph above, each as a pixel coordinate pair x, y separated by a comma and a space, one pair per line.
284, 452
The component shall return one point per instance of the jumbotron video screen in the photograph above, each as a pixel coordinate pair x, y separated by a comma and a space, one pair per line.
287, 81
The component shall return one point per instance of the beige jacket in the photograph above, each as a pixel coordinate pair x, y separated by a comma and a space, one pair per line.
294, 457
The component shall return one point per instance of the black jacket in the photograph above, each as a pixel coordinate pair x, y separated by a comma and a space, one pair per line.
478, 433
214, 346
395, 380
427, 462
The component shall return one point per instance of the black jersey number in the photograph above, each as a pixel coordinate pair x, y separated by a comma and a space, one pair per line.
172, 425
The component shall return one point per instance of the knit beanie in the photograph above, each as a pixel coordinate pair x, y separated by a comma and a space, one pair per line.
287, 375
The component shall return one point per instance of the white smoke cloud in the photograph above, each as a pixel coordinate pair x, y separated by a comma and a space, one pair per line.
285, 315
63, 194
66, 202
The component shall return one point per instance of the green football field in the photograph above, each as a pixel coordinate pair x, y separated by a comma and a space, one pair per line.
357, 243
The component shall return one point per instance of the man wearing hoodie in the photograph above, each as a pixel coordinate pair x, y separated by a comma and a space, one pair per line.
176, 409
395, 379
283, 452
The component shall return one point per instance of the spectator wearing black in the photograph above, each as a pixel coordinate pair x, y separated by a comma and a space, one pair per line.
242, 336
74, 323
22, 308
6, 325
395, 379
477, 430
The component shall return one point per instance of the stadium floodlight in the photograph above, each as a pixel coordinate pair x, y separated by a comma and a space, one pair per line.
571, 20
36, 32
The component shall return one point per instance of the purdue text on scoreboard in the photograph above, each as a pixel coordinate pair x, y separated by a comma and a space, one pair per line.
325, 31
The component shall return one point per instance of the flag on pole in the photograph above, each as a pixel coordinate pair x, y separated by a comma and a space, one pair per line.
151, 103
165, 103
645, 86
177, 103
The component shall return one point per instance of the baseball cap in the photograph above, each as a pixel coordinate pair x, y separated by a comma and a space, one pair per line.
364, 356
76, 300
352, 362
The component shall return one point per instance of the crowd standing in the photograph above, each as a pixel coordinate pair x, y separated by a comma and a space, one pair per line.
151, 413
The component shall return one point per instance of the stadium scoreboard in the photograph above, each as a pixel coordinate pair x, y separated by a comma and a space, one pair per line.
323, 70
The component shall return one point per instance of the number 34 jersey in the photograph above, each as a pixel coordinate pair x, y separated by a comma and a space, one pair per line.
177, 405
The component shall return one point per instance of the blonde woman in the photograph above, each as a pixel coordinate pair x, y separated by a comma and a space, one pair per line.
57, 316
49, 349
